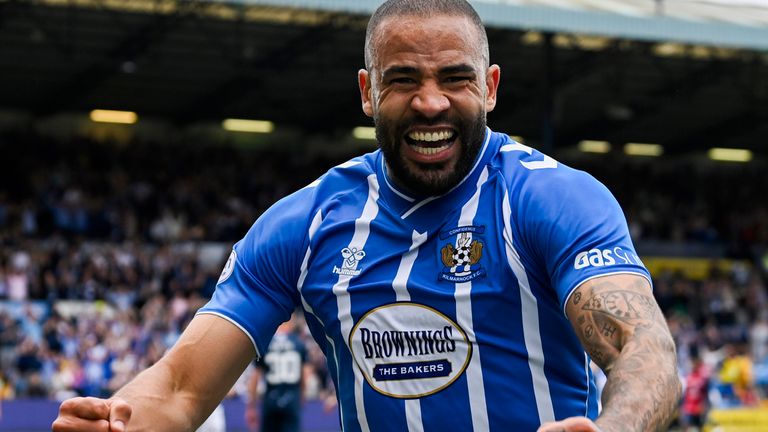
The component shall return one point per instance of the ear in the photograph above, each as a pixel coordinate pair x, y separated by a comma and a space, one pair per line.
492, 84
364, 81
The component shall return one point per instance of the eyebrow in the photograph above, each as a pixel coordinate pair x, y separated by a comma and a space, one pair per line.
397, 70
460, 68
410, 70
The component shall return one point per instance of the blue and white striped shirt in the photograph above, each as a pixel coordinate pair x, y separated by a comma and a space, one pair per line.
439, 314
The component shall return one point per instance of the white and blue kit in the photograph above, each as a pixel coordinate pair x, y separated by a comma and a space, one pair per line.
445, 313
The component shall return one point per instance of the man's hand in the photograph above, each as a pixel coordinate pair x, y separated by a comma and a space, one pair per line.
571, 424
92, 415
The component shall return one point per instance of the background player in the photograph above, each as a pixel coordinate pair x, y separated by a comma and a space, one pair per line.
285, 371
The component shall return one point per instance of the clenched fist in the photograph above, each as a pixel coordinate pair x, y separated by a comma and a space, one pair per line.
92, 415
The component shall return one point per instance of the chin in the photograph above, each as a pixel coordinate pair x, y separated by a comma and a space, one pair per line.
432, 182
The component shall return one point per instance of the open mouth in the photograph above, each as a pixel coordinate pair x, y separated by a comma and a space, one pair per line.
430, 142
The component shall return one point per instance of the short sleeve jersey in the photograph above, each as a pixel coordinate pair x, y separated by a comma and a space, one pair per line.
444, 313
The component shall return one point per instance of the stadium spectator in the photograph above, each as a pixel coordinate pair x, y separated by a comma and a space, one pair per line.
736, 379
758, 332
696, 395
7, 390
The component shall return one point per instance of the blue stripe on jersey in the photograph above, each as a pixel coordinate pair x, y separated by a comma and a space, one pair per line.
439, 314
384, 413
447, 410
592, 402
502, 348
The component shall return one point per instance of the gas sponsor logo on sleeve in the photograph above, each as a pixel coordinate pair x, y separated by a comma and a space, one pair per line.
605, 257
409, 350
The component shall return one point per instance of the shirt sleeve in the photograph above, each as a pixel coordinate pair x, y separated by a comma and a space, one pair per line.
580, 229
257, 288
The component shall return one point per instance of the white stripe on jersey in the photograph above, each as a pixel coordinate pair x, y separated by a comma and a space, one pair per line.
413, 415
418, 206
530, 318
362, 229
348, 164
400, 285
545, 163
463, 292
316, 221
586, 372
406, 265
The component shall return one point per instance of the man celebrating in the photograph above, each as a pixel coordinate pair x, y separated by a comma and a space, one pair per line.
455, 279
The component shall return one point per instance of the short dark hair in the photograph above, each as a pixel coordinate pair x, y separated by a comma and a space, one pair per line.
424, 8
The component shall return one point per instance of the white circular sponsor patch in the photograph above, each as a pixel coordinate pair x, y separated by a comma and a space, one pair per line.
408, 350
229, 267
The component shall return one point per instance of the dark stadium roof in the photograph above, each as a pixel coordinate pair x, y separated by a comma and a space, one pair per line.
194, 61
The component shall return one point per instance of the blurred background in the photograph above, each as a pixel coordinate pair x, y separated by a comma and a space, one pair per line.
140, 139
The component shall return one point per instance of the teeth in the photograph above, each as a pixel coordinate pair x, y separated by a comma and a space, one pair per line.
431, 136
429, 150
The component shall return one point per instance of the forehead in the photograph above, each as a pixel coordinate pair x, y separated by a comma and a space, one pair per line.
441, 38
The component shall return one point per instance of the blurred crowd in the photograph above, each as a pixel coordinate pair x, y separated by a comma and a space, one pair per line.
93, 349
141, 191
690, 200
720, 326
106, 252
152, 192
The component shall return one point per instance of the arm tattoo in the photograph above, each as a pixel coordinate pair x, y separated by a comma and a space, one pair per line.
623, 305
622, 329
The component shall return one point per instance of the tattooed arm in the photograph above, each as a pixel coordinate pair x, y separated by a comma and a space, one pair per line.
623, 330
621, 327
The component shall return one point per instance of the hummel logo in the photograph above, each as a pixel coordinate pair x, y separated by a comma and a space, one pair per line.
352, 256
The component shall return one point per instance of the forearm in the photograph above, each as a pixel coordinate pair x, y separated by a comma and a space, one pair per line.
181, 390
643, 388
625, 333
158, 402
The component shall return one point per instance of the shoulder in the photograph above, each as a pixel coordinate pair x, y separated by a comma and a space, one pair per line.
551, 205
298, 209
535, 180
344, 177
284, 230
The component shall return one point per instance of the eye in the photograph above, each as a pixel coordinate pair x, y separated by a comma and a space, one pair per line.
402, 80
457, 79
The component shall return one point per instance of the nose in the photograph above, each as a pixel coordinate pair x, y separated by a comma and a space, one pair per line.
430, 101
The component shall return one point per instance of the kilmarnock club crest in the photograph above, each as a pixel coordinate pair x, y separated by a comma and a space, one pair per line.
461, 259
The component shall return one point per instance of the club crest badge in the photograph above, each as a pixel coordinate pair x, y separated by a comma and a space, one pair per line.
461, 260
